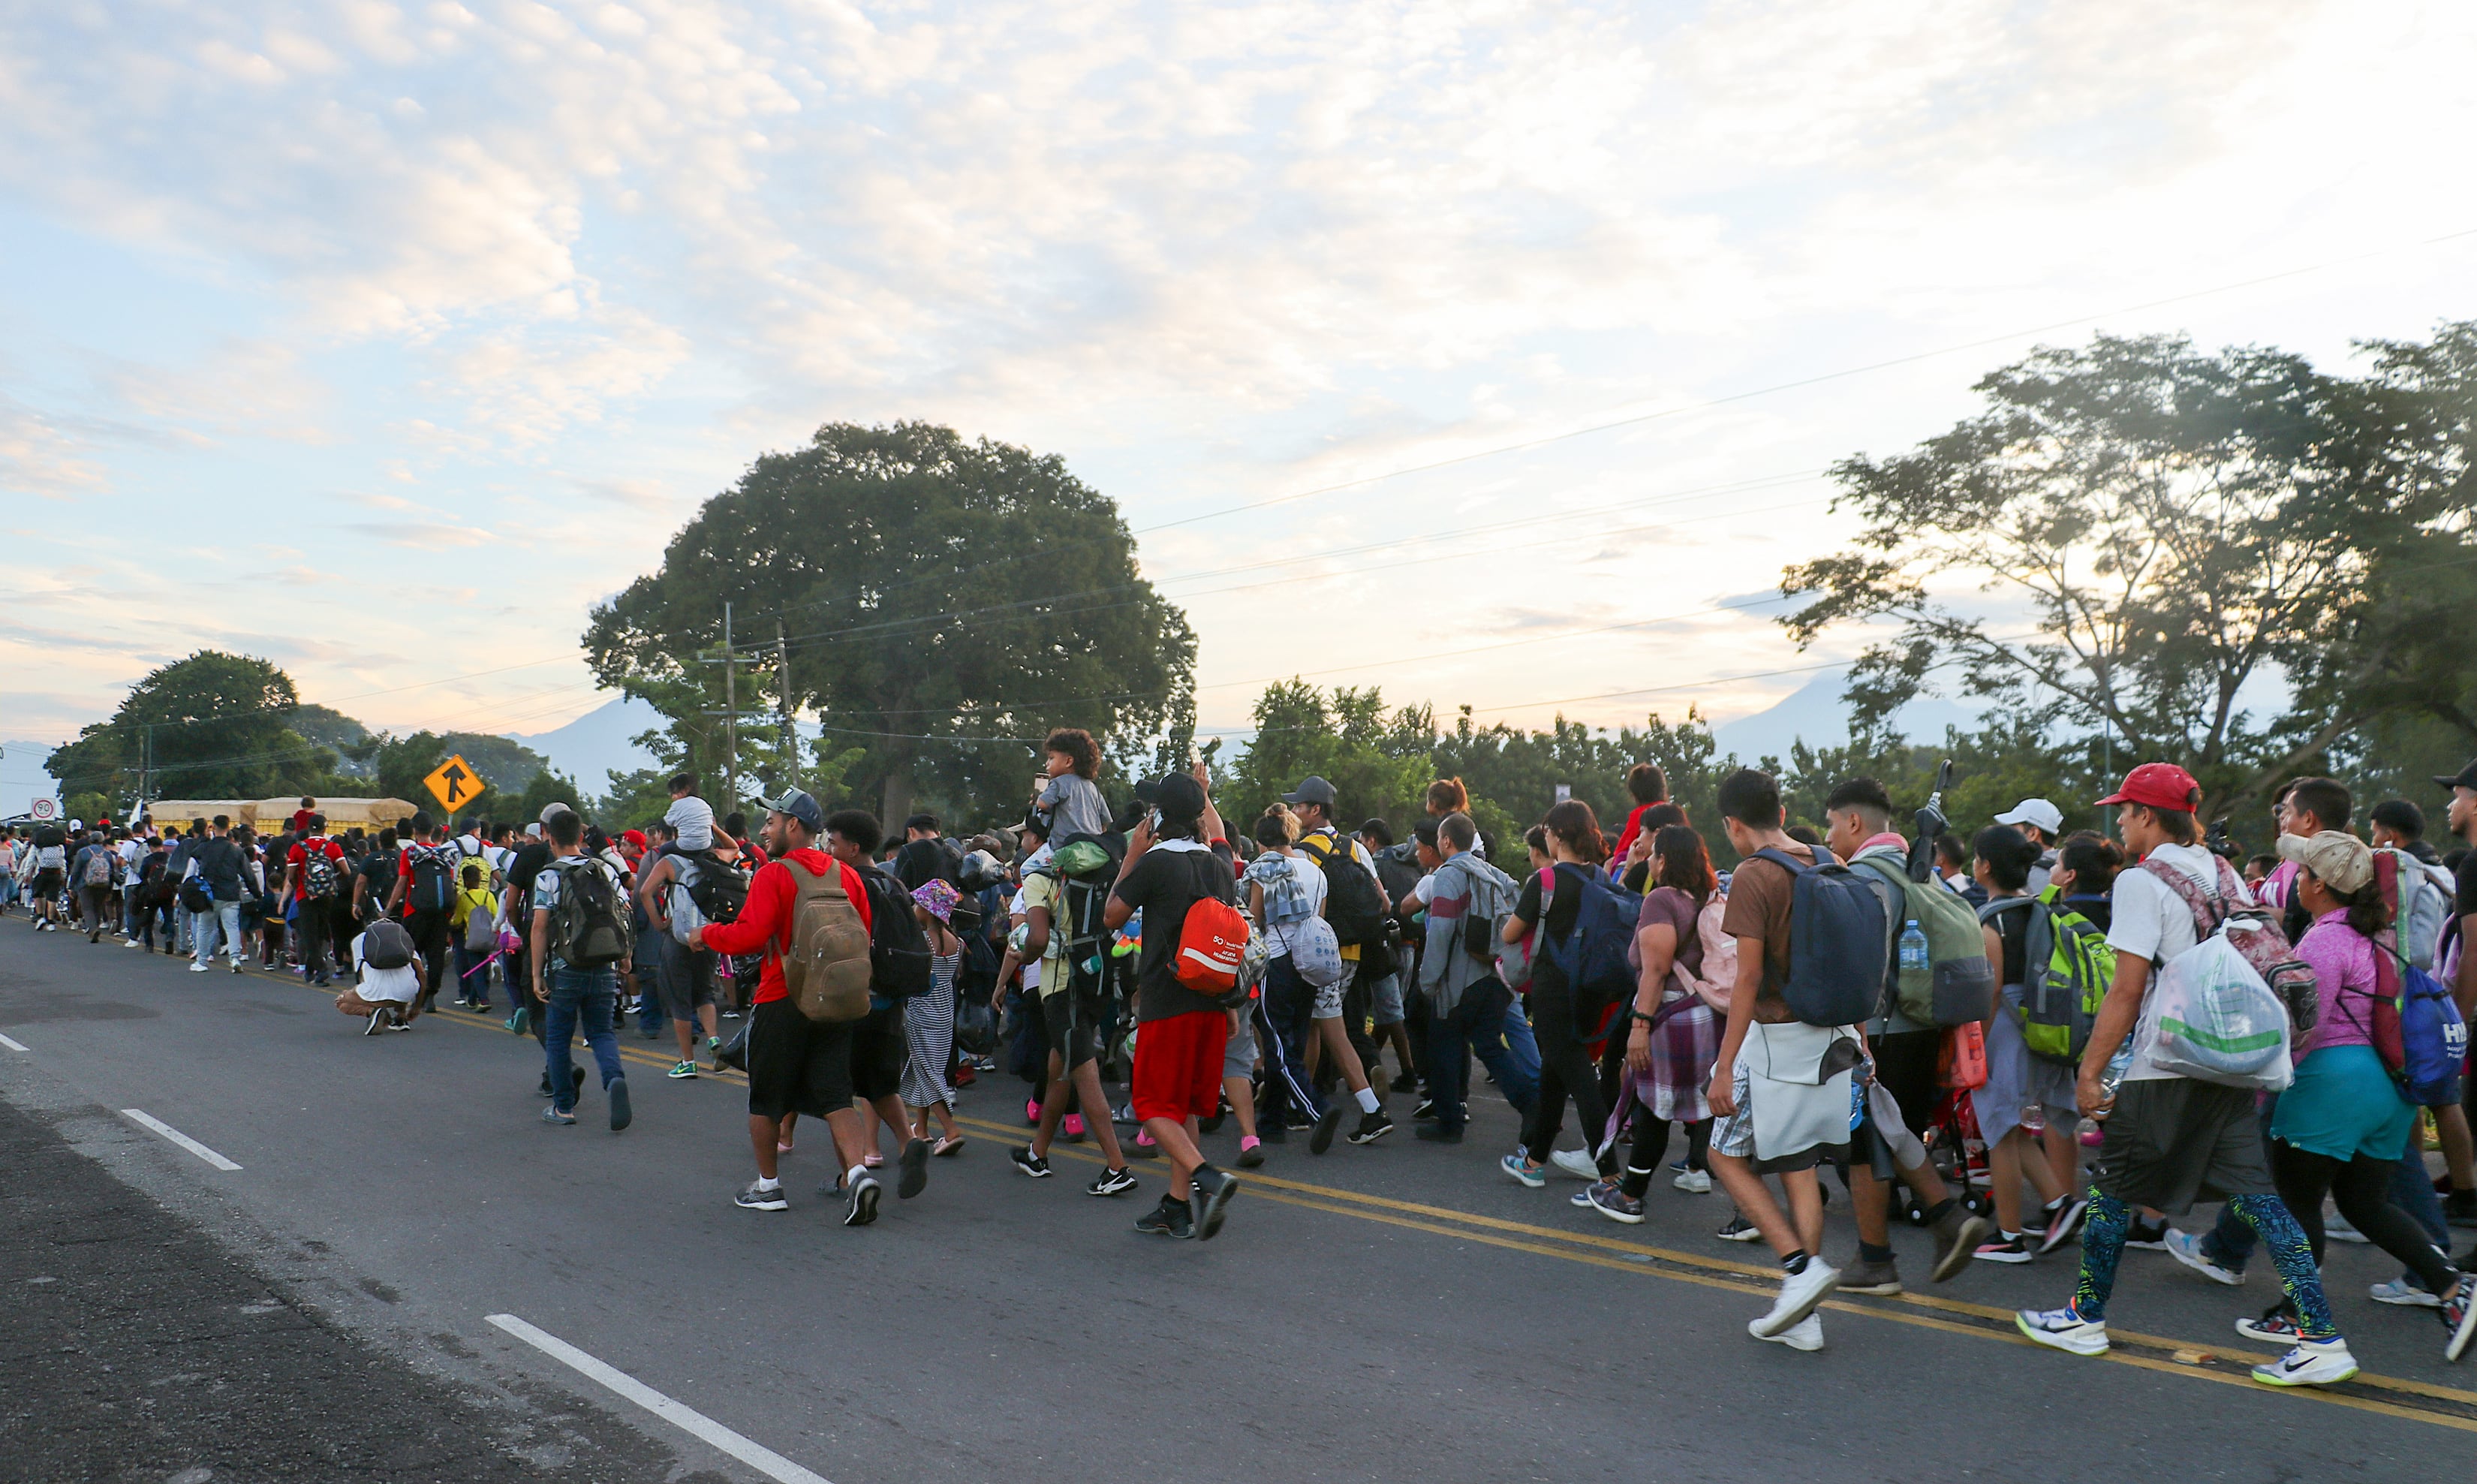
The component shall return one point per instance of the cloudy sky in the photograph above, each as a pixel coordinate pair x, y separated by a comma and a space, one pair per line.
381, 339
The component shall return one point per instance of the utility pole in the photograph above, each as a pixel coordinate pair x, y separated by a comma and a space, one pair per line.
730, 719
731, 660
783, 694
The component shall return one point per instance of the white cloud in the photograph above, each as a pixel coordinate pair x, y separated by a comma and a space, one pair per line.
553, 270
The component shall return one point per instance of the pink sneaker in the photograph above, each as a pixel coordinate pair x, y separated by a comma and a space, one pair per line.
1144, 1140
1072, 1125
1032, 1111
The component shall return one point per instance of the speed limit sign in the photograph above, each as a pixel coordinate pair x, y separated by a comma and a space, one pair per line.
44, 809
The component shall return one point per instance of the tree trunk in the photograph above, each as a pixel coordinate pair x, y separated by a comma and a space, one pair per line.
894, 800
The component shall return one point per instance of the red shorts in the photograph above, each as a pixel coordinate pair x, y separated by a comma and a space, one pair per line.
1178, 1065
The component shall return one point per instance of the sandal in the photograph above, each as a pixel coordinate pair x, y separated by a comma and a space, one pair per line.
873, 1161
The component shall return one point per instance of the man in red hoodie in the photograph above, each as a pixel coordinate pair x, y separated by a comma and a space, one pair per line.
794, 1064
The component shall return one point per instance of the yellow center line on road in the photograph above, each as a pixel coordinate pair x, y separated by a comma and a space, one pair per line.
2456, 1409
2217, 1363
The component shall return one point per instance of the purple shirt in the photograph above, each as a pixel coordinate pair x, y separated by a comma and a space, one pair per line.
2343, 960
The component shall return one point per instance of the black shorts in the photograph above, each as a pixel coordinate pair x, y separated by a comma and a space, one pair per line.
796, 1065
684, 977
1908, 1066
1073, 1025
2172, 1141
878, 1053
48, 883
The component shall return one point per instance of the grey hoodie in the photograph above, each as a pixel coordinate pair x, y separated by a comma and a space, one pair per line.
1464, 886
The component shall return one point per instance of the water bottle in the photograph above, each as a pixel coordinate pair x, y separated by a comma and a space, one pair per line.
2108, 1081
1913, 947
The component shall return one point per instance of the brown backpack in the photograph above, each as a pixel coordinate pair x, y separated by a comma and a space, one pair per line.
827, 970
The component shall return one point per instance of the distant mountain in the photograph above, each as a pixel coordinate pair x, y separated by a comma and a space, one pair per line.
1816, 713
598, 743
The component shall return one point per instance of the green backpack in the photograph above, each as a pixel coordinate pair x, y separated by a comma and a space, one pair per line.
2069, 967
1956, 985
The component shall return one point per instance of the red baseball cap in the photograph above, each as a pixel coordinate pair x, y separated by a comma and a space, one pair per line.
2158, 785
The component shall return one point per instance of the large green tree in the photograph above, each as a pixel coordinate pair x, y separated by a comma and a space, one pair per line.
944, 602
214, 725
2168, 538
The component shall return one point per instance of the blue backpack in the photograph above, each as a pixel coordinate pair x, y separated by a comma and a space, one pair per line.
1839, 938
1593, 957
2432, 1040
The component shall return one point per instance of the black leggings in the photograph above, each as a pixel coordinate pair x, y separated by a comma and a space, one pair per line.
1651, 1146
1565, 1070
2362, 1189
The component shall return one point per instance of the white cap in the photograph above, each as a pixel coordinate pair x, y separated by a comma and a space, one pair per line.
2035, 811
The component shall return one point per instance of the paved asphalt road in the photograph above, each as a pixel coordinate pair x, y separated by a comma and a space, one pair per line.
1398, 1313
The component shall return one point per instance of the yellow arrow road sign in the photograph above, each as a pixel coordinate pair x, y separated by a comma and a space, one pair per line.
455, 784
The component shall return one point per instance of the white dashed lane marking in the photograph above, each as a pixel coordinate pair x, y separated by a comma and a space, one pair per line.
757, 1456
146, 1119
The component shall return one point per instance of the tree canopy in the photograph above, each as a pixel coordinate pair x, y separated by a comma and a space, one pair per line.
944, 602
220, 724
2170, 537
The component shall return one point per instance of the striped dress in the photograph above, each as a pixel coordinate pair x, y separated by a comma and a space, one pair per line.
929, 1031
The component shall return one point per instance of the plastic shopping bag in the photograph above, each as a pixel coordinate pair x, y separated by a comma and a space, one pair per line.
2218, 1022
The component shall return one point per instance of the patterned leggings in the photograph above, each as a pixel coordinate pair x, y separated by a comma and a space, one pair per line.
2103, 1244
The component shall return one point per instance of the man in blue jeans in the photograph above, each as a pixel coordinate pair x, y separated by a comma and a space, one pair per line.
1468, 1006
572, 994
218, 861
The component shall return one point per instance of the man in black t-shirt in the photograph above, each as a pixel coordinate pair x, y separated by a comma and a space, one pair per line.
2460, 1208
531, 857
1180, 1034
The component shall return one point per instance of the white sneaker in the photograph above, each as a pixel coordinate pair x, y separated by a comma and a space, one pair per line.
1807, 1334
2185, 1247
1693, 1182
1800, 1292
2062, 1329
2403, 1293
2313, 1363
197, 967
1575, 1162
131, 943
2336, 1227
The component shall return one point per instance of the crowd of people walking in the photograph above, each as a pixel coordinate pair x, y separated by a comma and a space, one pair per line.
2016, 1040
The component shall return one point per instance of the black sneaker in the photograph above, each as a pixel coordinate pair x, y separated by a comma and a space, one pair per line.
1322, 1139
1110, 1182
1371, 1127
2148, 1237
378, 1017
1437, 1132
1029, 1163
2460, 1208
914, 1175
1426, 1109
544, 1089
859, 1206
1406, 1083
1215, 1189
752, 1198
1169, 1218
621, 1115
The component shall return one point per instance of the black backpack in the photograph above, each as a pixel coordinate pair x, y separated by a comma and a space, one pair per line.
385, 944
898, 949
1355, 902
588, 928
718, 887
434, 876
